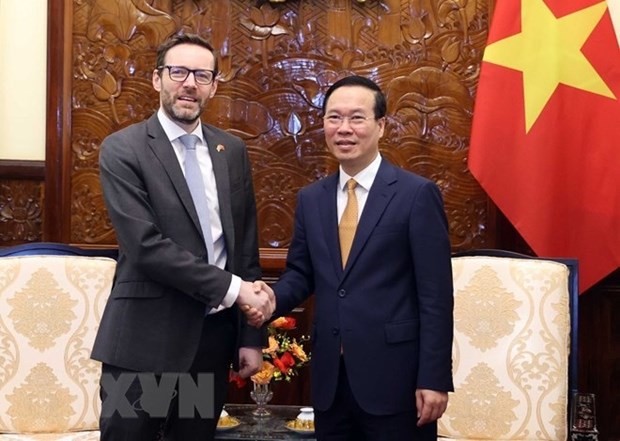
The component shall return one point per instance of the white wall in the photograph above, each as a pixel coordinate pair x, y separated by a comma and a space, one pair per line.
23, 64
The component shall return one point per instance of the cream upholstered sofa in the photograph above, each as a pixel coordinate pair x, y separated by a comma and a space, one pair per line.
50, 306
512, 349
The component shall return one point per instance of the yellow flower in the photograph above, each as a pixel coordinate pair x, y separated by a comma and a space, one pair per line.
265, 374
298, 352
273, 346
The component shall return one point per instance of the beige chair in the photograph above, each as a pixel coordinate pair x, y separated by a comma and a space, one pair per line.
50, 306
512, 348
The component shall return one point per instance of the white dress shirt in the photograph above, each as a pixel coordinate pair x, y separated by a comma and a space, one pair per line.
174, 132
364, 180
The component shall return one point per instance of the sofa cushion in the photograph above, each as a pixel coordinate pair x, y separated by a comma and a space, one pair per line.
511, 350
50, 307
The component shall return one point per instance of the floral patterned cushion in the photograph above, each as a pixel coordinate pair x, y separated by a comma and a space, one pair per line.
511, 350
50, 307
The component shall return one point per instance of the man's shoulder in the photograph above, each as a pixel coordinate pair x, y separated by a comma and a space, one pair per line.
402, 175
129, 141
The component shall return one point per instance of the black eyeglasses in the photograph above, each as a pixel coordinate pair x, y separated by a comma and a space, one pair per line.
179, 74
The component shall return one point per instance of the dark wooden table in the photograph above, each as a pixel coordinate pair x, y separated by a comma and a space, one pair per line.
270, 428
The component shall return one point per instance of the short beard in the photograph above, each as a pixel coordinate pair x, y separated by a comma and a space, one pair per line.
182, 117
185, 119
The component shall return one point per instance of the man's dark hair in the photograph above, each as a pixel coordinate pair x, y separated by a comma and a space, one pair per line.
356, 80
177, 39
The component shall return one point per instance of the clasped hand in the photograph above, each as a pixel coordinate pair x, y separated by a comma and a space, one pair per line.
257, 301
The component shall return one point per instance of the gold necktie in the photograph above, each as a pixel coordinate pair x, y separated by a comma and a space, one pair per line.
348, 222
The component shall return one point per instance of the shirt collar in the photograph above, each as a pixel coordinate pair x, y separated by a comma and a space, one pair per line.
173, 131
364, 178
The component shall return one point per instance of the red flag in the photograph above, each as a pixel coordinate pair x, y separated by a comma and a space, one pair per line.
545, 141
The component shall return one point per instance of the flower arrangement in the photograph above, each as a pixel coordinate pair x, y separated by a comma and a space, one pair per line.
283, 357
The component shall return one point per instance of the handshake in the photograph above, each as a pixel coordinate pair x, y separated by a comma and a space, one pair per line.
257, 301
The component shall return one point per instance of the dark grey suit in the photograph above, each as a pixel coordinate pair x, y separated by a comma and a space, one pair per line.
154, 318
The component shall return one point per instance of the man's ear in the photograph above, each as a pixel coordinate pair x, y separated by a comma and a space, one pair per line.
156, 80
213, 88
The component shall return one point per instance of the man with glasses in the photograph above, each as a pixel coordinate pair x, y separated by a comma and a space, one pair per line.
180, 196
371, 243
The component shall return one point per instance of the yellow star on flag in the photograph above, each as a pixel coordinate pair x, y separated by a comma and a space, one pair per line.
548, 52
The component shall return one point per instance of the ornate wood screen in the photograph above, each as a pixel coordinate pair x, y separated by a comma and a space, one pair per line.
277, 59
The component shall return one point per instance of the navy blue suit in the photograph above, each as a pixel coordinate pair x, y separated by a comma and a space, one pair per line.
390, 308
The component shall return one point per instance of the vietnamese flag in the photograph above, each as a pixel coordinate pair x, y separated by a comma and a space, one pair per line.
545, 141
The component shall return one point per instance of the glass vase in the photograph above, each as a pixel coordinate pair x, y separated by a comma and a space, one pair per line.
261, 394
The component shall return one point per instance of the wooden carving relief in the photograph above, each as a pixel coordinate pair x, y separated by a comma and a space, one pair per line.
277, 60
20, 211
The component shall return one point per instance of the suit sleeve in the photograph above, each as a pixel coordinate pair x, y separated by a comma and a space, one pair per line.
431, 252
297, 282
153, 256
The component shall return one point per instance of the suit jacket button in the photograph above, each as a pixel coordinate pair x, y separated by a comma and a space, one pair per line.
335, 331
342, 293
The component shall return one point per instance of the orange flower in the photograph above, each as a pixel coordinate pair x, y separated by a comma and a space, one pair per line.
286, 323
273, 346
298, 352
265, 374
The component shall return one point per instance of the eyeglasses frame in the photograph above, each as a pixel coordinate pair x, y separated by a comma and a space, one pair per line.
189, 71
338, 120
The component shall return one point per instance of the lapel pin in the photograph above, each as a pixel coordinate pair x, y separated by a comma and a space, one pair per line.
220, 148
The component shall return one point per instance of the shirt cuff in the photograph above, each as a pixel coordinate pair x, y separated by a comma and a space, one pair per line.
233, 292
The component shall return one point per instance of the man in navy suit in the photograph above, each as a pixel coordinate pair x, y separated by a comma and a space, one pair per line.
182, 281
382, 326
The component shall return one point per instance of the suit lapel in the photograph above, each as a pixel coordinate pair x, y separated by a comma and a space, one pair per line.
380, 195
329, 220
163, 150
222, 180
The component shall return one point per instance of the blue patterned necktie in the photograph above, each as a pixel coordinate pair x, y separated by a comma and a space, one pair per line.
196, 185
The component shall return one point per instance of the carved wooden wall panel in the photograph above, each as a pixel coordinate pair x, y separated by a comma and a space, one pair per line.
21, 208
277, 61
